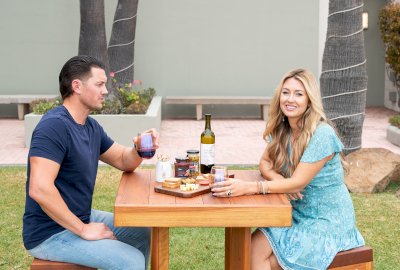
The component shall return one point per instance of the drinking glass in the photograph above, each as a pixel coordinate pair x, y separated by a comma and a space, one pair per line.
145, 146
218, 174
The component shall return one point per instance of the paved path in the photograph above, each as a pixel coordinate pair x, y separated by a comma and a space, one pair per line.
237, 141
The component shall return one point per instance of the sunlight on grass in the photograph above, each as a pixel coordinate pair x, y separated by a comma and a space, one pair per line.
378, 218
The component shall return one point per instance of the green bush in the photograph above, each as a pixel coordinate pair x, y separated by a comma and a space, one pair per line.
394, 120
389, 24
126, 100
42, 106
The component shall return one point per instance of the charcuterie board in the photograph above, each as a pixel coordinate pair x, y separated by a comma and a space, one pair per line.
180, 193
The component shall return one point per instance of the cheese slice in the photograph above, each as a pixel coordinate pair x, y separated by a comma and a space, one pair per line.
171, 185
173, 180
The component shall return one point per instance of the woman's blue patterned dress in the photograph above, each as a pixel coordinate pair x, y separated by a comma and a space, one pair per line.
323, 221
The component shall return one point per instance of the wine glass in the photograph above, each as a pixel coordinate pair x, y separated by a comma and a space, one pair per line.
218, 174
145, 146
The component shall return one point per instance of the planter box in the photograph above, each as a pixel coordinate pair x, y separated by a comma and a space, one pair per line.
120, 127
393, 135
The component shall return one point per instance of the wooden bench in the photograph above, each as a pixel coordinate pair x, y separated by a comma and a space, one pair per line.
23, 102
199, 101
38, 264
354, 259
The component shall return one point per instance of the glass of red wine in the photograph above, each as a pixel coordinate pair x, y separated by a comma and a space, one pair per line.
145, 146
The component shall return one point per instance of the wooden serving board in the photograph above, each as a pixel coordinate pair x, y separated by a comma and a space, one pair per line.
180, 193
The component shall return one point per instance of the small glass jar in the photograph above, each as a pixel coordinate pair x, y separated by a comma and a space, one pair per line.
181, 167
194, 162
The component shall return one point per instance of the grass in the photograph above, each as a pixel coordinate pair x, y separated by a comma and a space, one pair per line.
378, 219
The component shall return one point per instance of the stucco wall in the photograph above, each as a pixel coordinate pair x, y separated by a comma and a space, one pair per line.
183, 47
375, 54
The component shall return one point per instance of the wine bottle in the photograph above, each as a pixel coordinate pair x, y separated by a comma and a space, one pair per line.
207, 147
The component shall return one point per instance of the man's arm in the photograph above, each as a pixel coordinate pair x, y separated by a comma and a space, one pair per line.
123, 158
43, 173
126, 158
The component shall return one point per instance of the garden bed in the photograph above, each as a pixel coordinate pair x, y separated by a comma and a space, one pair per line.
120, 127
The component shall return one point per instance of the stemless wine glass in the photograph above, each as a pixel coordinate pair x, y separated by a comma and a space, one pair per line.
218, 174
145, 146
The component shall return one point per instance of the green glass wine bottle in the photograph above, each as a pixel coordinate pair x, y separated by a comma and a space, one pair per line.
207, 147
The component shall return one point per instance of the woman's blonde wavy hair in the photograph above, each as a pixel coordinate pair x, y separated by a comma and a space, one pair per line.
278, 127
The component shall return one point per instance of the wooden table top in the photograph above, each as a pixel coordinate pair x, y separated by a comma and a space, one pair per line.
137, 204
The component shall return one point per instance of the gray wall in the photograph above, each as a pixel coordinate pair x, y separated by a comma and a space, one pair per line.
36, 38
375, 54
183, 47
193, 47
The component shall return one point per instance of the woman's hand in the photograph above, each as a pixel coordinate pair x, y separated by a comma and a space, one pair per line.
294, 196
233, 187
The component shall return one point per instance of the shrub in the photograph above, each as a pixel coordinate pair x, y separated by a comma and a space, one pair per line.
133, 99
394, 120
128, 99
389, 24
42, 106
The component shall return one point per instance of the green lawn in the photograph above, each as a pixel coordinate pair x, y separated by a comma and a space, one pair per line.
378, 218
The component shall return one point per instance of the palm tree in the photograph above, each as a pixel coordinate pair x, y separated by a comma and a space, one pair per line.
92, 37
122, 41
344, 76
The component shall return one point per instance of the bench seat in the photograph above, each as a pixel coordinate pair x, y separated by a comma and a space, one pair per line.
360, 258
199, 101
38, 264
354, 259
23, 102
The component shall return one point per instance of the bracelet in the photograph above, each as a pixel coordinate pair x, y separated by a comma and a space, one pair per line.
259, 186
262, 187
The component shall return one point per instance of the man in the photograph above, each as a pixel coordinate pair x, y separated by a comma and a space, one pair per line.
66, 146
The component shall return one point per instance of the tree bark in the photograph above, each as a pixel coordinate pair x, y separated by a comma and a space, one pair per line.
122, 42
344, 75
92, 37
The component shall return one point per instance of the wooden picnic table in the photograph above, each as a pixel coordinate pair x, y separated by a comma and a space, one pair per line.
137, 204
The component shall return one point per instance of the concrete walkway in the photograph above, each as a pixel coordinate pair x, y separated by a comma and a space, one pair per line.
237, 141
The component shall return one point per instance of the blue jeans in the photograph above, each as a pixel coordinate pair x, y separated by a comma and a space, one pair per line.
129, 251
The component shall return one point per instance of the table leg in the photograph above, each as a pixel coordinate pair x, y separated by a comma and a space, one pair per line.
237, 248
159, 248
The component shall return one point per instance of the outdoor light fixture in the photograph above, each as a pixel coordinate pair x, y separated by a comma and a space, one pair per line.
365, 20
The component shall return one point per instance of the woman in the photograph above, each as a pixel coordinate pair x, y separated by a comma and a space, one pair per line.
303, 160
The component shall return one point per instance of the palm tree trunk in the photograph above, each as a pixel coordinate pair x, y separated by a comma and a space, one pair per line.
122, 42
92, 37
344, 75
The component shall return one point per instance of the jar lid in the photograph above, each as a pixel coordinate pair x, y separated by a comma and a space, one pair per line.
192, 151
181, 159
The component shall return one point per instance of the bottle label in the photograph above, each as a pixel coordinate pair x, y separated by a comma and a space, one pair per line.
207, 154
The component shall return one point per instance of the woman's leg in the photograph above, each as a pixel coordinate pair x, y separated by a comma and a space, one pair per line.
262, 256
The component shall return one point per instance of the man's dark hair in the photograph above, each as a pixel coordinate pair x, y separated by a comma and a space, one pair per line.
78, 67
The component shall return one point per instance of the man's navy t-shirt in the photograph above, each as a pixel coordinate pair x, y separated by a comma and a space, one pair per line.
77, 149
